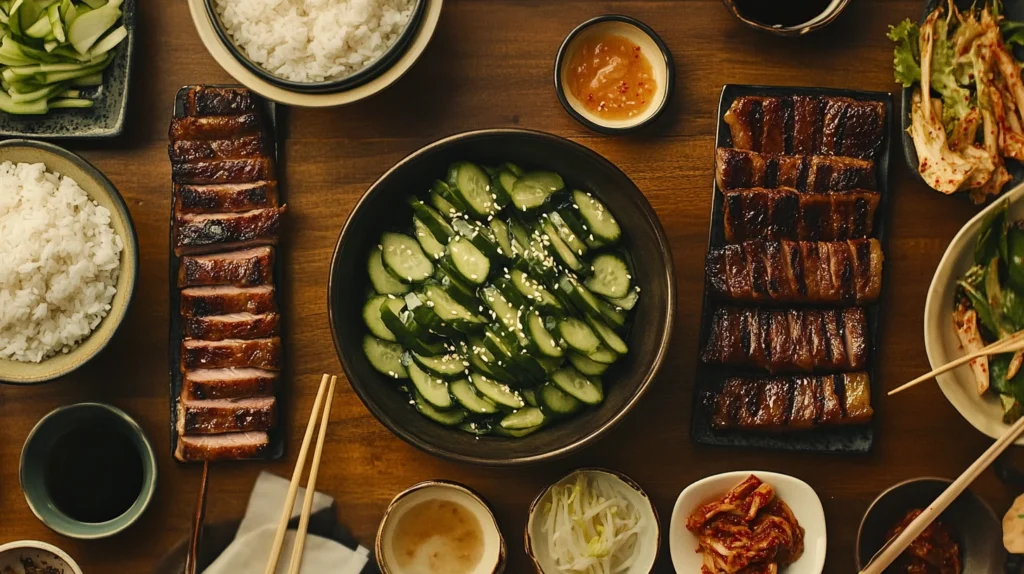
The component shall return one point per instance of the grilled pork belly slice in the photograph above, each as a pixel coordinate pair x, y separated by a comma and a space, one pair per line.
841, 272
741, 169
226, 415
253, 146
227, 299
225, 197
231, 383
233, 326
242, 268
257, 353
242, 170
785, 213
227, 446
791, 403
205, 232
213, 101
220, 127
807, 125
788, 340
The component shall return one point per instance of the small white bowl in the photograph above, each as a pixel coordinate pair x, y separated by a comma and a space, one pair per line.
797, 494
537, 546
494, 552
940, 341
41, 553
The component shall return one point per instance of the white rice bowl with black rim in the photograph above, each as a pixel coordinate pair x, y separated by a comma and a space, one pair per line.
314, 40
59, 263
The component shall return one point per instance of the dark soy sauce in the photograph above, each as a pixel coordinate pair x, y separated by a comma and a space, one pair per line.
781, 12
94, 473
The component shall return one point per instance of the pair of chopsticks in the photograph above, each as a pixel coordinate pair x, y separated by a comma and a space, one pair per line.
293, 487
191, 559
1011, 344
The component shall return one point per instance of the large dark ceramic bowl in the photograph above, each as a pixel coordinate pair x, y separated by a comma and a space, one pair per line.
977, 529
383, 206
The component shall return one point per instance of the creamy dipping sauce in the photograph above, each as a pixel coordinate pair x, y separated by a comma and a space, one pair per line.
438, 537
612, 77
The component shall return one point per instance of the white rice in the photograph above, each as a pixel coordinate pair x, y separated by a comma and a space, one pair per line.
59, 262
314, 40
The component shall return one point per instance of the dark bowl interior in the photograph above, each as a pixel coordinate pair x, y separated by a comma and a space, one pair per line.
977, 528
383, 206
371, 71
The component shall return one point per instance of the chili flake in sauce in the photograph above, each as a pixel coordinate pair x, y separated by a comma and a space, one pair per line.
611, 77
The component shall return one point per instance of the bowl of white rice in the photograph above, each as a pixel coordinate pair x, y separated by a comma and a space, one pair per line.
316, 46
68, 261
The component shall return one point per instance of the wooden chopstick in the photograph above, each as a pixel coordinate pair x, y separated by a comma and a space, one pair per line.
307, 504
1013, 343
293, 486
892, 550
191, 560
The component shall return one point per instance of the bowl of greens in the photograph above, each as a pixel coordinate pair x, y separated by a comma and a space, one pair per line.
977, 298
501, 297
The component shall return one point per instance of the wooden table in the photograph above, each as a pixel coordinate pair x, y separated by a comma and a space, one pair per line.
490, 65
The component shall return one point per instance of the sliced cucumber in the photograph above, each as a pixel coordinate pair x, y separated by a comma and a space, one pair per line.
578, 335
499, 430
403, 258
506, 180
534, 292
609, 336
480, 236
447, 366
434, 221
571, 381
466, 396
446, 417
556, 402
575, 242
441, 204
628, 302
613, 315
452, 282
534, 188
385, 356
545, 343
596, 217
498, 393
505, 312
383, 282
501, 235
562, 252
471, 264
586, 365
524, 418
478, 428
530, 396
408, 332
472, 186
611, 276
509, 291
449, 309
604, 355
371, 316
433, 389
580, 296
550, 364
431, 246
515, 169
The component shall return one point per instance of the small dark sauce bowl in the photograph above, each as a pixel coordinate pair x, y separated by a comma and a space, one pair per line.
827, 16
363, 76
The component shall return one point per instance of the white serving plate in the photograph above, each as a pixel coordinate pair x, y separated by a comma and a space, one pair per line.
940, 341
800, 497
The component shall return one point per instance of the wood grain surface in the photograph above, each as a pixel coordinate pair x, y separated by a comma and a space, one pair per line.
490, 65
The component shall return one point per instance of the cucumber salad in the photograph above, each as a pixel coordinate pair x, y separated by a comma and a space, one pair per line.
503, 302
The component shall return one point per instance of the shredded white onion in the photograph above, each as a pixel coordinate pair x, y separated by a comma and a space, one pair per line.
591, 527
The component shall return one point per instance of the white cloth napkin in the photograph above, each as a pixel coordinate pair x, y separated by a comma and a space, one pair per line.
249, 551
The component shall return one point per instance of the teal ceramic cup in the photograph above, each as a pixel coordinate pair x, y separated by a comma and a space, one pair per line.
50, 434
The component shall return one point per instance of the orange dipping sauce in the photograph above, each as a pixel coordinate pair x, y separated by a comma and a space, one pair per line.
611, 77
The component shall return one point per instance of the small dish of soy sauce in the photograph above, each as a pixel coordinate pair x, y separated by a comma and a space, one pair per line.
87, 470
786, 17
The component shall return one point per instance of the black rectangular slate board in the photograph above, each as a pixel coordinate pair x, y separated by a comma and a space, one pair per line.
277, 438
853, 439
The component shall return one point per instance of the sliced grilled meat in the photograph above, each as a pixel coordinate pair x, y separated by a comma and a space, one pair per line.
791, 403
807, 125
741, 169
227, 299
212, 101
226, 415
785, 213
219, 127
225, 197
205, 232
788, 340
243, 147
242, 268
841, 272
227, 446
228, 383
256, 353
243, 170
233, 326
